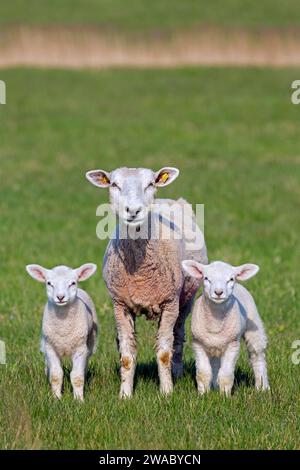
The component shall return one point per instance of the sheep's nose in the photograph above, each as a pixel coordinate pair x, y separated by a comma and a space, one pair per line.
60, 297
218, 292
133, 211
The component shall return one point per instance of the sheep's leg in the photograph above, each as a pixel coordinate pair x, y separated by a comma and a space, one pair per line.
127, 349
55, 370
79, 358
259, 366
203, 368
164, 346
215, 367
179, 338
226, 372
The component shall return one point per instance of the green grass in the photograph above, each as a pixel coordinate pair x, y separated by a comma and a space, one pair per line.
235, 136
153, 15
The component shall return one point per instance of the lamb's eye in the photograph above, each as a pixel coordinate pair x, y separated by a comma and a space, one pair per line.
114, 185
49, 283
206, 278
231, 279
150, 185
73, 284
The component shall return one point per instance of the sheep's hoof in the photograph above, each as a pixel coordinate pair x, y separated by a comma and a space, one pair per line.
166, 389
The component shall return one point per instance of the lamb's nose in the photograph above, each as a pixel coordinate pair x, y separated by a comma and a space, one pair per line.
218, 292
60, 297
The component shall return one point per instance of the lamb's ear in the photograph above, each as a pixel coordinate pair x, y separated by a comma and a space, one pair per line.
193, 268
99, 178
37, 272
85, 271
246, 271
165, 176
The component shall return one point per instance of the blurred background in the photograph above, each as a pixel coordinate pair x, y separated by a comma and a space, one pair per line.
203, 86
100, 33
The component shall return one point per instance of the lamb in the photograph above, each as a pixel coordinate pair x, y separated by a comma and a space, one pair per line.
69, 326
142, 270
224, 314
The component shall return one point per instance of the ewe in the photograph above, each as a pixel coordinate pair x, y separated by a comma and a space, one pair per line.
223, 314
142, 266
69, 323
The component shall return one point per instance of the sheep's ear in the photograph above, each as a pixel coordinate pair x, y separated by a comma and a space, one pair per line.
37, 272
99, 178
165, 176
85, 271
246, 271
193, 268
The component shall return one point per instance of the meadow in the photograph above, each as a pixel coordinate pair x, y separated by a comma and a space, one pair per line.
234, 134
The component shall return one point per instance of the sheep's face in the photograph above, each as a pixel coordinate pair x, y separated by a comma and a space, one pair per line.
132, 190
61, 281
219, 278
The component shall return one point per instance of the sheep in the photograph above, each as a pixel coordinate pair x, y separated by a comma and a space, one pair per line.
142, 270
69, 326
224, 314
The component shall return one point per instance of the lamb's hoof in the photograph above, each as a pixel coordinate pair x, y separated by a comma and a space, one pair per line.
125, 394
177, 370
263, 388
78, 397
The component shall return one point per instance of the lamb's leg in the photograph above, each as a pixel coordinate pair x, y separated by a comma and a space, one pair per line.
79, 358
256, 344
215, 367
203, 368
127, 348
46, 367
55, 370
259, 366
165, 340
179, 338
226, 372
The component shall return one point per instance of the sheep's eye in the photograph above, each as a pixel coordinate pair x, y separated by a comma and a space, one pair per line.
49, 283
150, 185
206, 278
114, 185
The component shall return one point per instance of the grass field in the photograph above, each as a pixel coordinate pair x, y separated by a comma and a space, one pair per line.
235, 136
158, 14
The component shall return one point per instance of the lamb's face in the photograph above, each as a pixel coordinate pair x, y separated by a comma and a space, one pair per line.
61, 281
61, 285
219, 278
132, 190
218, 281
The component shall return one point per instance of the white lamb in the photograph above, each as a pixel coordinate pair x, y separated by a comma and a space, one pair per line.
224, 314
69, 323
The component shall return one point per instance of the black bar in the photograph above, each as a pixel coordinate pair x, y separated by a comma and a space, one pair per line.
134, 459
